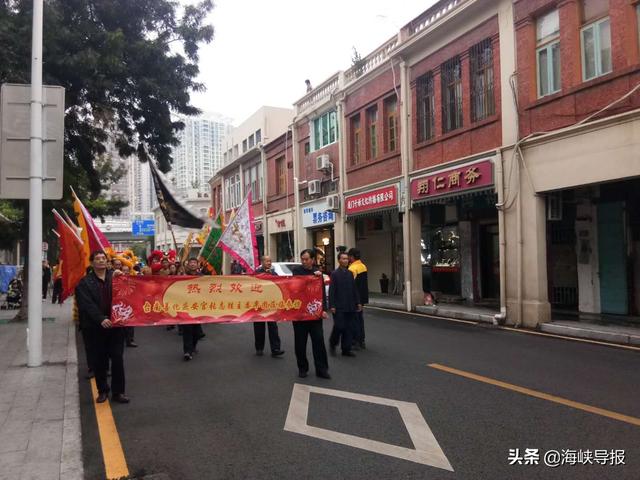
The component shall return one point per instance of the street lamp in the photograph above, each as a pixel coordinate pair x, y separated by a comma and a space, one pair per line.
34, 312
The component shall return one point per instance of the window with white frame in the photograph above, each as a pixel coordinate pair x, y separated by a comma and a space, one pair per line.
548, 53
253, 181
232, 187
595, 39
324, 130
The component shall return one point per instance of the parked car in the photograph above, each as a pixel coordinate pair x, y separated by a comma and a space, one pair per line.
284, 269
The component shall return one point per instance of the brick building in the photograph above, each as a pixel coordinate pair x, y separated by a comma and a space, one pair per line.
481, 154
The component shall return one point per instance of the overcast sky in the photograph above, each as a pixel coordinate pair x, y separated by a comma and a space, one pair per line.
263, 51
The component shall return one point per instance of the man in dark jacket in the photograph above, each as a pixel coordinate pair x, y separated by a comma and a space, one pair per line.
192, 332
259, 327
344, 302
46, 278
104, 342
312, 328
359, 271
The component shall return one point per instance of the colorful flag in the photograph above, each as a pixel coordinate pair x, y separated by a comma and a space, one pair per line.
92, 237
239, 238
211, 253
73, 262
174, 212
186, 248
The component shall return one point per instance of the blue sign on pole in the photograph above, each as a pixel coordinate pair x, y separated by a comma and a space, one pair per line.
143, 227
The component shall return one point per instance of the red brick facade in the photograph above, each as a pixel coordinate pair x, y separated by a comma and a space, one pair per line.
279, 150
576, 99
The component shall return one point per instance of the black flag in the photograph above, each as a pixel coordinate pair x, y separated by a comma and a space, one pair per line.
173, 211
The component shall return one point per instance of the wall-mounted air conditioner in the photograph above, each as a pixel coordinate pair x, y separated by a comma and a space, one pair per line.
314, 187
323, 163
333, 203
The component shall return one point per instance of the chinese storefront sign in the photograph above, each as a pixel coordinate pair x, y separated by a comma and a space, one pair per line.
466, 177
166, 300
316, 214
280, 223
373, 200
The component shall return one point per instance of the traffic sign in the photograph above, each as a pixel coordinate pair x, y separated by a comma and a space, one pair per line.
143, 227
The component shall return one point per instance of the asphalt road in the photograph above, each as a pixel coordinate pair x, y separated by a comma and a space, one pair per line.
222, 416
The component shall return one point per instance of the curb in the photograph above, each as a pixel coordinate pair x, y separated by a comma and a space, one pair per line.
71, 465
550, 327
592, 334
445, 312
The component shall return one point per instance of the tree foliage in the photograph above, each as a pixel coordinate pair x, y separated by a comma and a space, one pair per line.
126, 65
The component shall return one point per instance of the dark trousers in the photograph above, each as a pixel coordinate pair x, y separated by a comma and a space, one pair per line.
343, 330
129, 334
359, 327
190, 335
86, 339
45, 287
313, 329
106, 344
274, 338
56, 295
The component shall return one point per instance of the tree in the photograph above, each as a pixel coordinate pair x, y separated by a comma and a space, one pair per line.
126, 66
357, 63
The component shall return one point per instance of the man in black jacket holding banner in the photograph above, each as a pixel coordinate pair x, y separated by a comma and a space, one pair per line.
259, 327
104, 343
312, 328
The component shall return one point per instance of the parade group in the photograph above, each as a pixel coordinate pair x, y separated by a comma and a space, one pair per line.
104, 343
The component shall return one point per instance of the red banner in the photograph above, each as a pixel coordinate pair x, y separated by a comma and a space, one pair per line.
466, 177
373, 200
169, 300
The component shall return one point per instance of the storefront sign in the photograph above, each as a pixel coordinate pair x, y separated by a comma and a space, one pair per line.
467, 177
280, 223
316, 214
373, 200
166, 300
258, 226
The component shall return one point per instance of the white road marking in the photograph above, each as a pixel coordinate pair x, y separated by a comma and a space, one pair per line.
427, 451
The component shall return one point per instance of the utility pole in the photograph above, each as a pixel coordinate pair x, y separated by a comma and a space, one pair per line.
34, 328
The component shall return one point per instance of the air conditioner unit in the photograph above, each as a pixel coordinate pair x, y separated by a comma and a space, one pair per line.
333, 203
323, 162
314, 187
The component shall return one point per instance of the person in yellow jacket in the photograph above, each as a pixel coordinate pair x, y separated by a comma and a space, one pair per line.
359, 271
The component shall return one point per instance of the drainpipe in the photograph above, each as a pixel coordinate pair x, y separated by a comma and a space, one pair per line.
263, 191
520, 241
404, 152
342, 170
296, 193
500, 318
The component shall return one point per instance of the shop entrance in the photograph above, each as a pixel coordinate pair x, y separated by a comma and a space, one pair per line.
325, 248
490, 261
284, 246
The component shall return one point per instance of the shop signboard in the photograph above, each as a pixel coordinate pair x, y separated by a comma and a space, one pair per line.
315, 214
468, 177
280, 223
377, 199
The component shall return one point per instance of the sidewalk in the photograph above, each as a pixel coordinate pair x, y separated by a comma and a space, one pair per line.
40, 434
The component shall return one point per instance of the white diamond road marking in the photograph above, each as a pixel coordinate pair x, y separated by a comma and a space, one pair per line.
427, 451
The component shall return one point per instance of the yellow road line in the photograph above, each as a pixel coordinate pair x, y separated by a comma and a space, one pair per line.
544, 396
517, 330
114, 462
